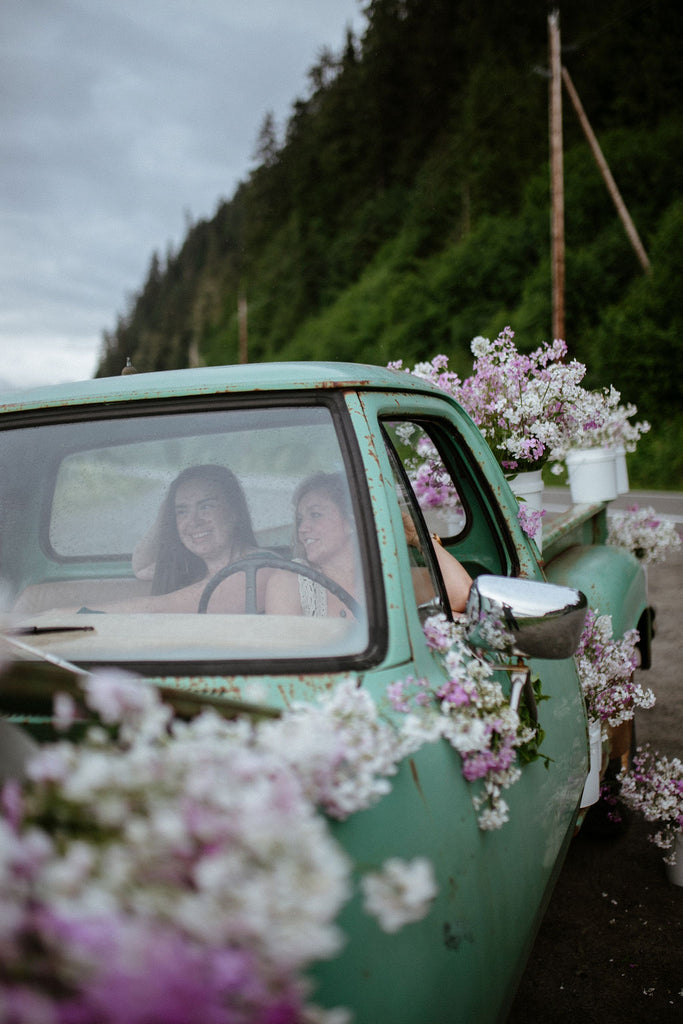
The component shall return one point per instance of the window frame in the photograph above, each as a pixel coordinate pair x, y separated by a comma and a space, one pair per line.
440, 603
472, 486
334, 401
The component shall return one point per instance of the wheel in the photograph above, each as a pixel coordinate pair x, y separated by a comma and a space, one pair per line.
250, 565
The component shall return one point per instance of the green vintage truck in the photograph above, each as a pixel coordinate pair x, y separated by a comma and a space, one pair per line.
90, 474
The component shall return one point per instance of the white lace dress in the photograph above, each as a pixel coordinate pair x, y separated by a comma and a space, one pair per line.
313, 598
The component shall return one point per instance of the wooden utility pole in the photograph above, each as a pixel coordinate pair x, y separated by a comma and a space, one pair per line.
242, 328
606, 174
556, 175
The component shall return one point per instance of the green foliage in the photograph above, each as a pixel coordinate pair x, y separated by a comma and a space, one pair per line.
406, 208
639, 346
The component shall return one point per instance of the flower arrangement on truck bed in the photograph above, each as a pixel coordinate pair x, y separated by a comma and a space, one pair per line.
532, 408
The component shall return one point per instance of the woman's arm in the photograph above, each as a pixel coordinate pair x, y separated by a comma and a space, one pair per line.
146, 552
282, 594
458, 581
456, 578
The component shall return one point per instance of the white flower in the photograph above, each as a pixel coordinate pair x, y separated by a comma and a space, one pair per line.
401, 893
654, 786
51, 764
494, 817
606, 668
416, 730
66, 876
472, 712
342, 751
404, 431
480, 346
207, 832
115, 695
531, 408
64, 712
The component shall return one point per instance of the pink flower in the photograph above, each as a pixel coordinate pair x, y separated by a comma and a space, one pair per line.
396, 695
12, 802
530, 519
454, 693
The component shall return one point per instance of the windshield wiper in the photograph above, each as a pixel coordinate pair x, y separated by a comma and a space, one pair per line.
36, 652
38, 630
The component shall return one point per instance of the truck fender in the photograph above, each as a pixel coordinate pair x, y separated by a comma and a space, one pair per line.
614, 583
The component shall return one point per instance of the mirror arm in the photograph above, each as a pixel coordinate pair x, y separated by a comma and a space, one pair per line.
520, 680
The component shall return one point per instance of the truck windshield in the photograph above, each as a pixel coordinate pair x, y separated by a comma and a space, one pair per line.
227, 535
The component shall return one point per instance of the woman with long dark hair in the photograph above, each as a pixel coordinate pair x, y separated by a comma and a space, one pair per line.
204, 525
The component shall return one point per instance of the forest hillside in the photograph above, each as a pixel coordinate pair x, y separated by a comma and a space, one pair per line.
404, 208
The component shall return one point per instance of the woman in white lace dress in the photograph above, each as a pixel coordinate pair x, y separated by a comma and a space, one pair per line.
326, 541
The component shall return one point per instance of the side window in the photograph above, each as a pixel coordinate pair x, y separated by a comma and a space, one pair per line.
429, 478
426, 577
453, 497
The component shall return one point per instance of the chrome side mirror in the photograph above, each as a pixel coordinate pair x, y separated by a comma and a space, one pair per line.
525, 618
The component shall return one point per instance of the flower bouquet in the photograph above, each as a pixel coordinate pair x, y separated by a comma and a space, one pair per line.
472, 713
644, 534
608, 424
606, 669
531, 409
654, 786
431, 481
162, 871
596, 460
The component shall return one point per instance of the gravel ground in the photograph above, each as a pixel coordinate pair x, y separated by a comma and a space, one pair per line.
610, 949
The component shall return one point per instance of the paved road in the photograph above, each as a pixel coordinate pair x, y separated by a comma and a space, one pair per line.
669, 504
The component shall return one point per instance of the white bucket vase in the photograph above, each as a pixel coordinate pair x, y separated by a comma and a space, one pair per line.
528, 487
591, 789
445, 522
674, 872
622, 470
592, 475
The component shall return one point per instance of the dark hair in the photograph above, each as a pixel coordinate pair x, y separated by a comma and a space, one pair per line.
333, 485
177, 567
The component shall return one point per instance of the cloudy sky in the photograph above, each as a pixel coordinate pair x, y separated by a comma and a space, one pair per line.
119, 119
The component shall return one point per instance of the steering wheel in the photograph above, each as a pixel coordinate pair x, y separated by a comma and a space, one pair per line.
250, 565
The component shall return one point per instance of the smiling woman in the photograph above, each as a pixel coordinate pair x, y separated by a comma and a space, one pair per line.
204, 524
325, 537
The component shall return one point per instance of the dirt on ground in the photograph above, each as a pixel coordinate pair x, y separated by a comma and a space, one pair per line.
610, 949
